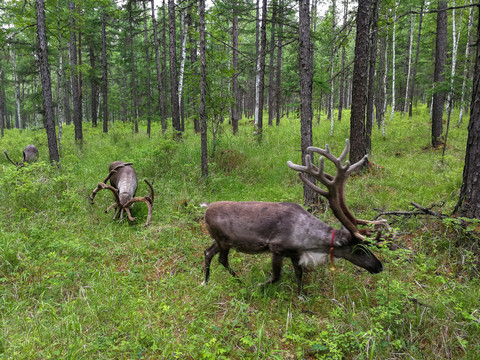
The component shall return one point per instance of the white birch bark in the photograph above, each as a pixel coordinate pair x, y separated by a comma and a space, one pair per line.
393, 60
455, 39
465, 68
385, 87
184, 30
409, 71
257, 76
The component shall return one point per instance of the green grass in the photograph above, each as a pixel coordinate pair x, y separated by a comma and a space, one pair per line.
76, 284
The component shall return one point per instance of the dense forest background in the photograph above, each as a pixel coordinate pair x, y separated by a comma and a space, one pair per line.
138, 62
209, 101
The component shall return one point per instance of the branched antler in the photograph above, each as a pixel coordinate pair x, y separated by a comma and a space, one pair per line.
335, 185
123, 181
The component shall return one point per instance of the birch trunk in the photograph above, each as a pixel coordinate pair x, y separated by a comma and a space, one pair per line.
409, 61
203, 89
183, 55
393, 60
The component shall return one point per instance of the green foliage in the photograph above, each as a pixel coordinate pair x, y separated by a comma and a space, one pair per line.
76, 284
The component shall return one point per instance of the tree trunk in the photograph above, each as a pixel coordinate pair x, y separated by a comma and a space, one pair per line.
469, 201
2, 100
104, 76
380, 96
183, 56
271, 75
414, 71
77, 104
203, 89
409, 62
260, 74
173, 69
133, 83
371, 76
306, 83
439, 77
359, 88
161, 105
332, 67
394, 59
60, 84
93, 86
467, 62
278, 77
455, 40
235, 94
16, 84
147, 59
193, 9
341, 94
164, 61
45, 80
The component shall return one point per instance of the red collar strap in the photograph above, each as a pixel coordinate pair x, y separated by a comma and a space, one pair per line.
332, 261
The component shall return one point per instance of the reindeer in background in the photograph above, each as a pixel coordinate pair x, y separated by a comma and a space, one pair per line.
288, 230
123, 184
30, 154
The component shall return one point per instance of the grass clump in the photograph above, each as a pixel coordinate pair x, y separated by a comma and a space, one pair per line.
76, 284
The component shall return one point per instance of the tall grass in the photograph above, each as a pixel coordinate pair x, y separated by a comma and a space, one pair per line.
76, 284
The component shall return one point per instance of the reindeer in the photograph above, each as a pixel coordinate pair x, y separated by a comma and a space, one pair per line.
30, 154
123, 184
288, 230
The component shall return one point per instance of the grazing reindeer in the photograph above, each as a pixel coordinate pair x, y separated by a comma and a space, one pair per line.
288, 230
30, 154
123, 180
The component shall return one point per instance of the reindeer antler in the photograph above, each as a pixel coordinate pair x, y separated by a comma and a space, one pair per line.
335, 193
13, 162
148, 200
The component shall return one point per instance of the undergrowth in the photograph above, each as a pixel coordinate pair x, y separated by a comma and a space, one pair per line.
76, 284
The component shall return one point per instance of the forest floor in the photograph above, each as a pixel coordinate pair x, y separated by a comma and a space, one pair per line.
75, 284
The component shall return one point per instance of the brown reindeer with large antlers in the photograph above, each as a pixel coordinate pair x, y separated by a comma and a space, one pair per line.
123, 180
288, 230
30, 154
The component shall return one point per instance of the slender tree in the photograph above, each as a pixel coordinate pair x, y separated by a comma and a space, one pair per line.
44, 71
133, 81
278, 71
173, 69
161, 104
360, 79
235, 90
371, 75
147, 59
74, 80
203, 88
260, 73
104, 74
439, 77
415, 64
